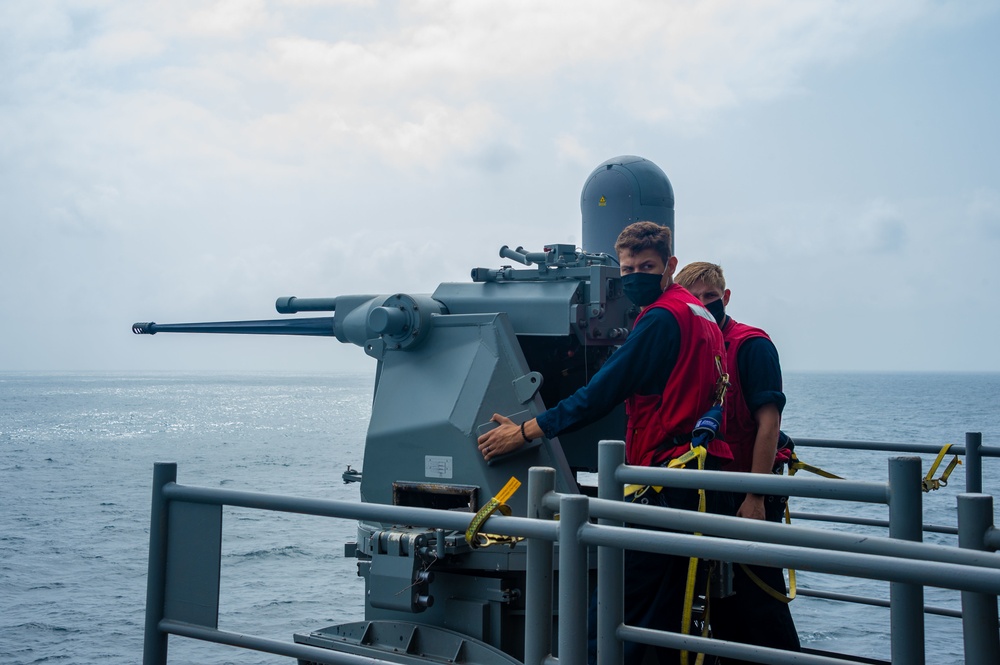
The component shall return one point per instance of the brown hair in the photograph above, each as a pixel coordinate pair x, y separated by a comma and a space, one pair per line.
700, 271
640, 236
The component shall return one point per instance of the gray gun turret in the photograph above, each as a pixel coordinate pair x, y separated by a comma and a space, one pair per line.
512, 340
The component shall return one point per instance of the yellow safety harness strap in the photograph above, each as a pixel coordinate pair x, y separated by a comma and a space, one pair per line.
696, 452
774, 593
791, 571
930, 482
639, 490
767, 588
794, 465
699, 453
498, 503
688, 609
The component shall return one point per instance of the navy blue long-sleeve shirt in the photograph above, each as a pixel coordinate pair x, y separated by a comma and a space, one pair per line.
760, 374
641, 366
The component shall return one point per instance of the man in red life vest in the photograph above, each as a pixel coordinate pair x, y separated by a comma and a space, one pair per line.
753, 408
666, 372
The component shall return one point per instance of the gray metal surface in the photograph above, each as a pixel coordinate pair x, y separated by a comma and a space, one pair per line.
194, 546
405, 643
979, 610
429, 406
906, 601
620, 191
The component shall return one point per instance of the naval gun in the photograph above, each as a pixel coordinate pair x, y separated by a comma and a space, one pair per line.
510, 341
513, 340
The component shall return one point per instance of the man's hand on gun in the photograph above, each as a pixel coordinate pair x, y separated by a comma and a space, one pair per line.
507, 436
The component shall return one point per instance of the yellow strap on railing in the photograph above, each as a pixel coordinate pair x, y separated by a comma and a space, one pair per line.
498, 503
795, 465
930, 482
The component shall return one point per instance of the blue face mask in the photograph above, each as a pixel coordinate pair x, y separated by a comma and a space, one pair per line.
718, 309
642, 288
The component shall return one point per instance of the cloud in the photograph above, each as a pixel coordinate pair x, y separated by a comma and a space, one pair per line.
232, 18
127, 45
404, 89
569, 148
878, 229
86, 212
695, 58
169, 152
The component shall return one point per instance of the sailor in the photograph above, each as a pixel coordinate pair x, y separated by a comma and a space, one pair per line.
667, 373
758, 612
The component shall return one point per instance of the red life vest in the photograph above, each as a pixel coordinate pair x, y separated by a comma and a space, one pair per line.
659, 426
741, 427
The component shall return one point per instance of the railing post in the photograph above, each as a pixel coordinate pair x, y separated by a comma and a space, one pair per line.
906, 601
538, 578
973, 462
979, 610
574, 511
154, 647
610, 560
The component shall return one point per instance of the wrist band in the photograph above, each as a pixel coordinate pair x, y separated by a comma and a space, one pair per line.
525, 436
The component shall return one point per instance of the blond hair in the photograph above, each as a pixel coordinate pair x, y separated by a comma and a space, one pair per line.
701, 271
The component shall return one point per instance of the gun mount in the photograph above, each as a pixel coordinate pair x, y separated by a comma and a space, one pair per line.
510, 341
546, 330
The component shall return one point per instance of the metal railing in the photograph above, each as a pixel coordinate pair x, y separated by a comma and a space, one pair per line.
186, 533
972, 452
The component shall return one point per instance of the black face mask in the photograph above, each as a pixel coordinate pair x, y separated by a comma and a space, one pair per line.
718, 310
642, 288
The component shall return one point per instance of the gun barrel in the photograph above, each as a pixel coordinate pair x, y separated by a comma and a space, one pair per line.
316, 327
293, 305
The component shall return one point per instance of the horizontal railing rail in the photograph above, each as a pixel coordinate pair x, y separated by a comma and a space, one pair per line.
865, 521
973, 452
875, 602
186, 533
893, 447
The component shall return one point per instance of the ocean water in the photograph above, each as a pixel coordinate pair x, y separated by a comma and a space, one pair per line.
76, 458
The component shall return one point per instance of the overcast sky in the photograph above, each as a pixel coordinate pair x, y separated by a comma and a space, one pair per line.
194, 160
